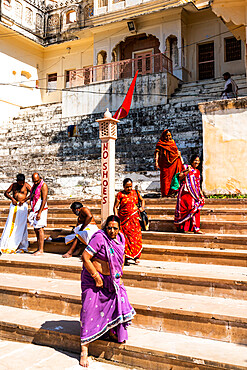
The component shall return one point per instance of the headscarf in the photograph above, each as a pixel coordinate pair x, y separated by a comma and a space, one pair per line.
170, 146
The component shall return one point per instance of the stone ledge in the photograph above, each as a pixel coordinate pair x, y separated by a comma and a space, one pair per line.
222, 105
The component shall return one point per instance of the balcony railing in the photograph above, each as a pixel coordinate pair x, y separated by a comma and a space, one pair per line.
122, 69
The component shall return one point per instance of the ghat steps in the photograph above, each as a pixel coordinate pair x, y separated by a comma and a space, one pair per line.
206, 90
189, 292
37, 140
27, 356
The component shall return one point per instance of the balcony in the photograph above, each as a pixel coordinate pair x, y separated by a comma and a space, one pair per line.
155, 63
93, 89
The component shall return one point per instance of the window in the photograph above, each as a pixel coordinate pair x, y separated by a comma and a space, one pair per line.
71, 17
51, 82
232, 49
206, 61
67, 75
18, 10
29, 16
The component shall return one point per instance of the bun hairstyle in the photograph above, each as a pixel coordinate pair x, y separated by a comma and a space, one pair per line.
127, 180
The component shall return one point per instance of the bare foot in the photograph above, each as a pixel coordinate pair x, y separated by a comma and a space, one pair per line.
198, 232
113, 336
84, 360
38, 253
137, 262
67, 255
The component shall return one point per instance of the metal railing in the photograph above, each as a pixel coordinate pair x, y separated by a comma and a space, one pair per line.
154, 63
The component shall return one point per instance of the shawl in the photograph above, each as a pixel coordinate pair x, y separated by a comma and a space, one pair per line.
192, 185
114, 256
35, 193
169, 146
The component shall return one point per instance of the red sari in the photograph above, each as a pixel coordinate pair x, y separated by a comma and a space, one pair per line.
189, 202
128, 213
169, 164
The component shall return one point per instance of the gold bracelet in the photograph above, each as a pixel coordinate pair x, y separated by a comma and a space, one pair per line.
94, 275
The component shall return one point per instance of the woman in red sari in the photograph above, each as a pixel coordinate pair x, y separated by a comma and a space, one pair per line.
126, 209
190, 198
168, 161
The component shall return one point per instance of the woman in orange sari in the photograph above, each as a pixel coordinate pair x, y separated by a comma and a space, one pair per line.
168, 161
126, 209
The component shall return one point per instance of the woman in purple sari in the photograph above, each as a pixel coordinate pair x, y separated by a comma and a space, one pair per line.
105, 305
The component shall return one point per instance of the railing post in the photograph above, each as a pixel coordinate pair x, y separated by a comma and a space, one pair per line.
91, 75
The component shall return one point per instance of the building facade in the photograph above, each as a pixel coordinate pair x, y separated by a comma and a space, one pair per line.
66, 62
47, 48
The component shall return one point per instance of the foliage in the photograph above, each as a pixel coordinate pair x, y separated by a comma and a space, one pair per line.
227, 196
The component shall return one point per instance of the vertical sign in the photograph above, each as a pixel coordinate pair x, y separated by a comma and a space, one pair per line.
108, 136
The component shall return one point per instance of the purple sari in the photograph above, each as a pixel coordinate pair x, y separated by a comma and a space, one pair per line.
107, 307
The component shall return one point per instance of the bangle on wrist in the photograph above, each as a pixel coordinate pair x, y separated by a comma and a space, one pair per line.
94, 275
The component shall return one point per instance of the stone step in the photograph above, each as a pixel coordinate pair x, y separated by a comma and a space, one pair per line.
214, 91
28, 356
145, 348
226, 257
194, 254
65, 203
210, 214
214, 241
213, 82
215, 318
165, 225
208, 88
202, 279
219, 227
229, 214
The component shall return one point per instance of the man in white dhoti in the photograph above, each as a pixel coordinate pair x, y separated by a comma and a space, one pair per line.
14, 237
39, 210
231, 88
86, 227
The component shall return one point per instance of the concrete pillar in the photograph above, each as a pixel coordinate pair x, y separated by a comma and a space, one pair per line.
95, 7
108, 136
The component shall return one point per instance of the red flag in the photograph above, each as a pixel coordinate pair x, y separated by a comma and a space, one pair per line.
123, 111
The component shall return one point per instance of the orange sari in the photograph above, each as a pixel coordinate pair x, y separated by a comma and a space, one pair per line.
128, 213
169, 163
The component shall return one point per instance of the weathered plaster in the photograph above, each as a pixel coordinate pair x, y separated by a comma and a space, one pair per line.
224, 146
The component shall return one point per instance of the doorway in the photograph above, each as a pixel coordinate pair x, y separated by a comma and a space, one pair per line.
143, 62
206, 61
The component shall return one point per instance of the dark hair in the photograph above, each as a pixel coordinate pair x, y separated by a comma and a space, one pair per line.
165, 131
76, 205
193, 157
127, 180
227, 74
20, 177
112, 218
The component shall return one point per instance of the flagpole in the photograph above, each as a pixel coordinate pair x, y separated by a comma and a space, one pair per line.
120, 110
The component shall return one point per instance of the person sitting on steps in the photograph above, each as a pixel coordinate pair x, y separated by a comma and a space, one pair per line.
84, 230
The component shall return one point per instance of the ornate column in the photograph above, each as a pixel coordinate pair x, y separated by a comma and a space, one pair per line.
108, 136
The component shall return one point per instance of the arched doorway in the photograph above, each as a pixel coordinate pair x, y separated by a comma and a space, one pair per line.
101, 74
172, 49
141, 48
